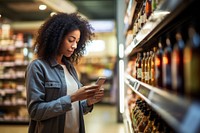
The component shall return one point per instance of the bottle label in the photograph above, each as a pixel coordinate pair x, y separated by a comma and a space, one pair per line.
146, 76
139, 72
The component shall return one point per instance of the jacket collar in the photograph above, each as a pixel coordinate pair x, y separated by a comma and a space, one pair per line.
54, 63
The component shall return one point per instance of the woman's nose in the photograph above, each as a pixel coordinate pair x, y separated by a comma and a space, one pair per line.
74, 45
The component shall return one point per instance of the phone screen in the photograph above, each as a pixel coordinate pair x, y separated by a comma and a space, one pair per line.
100, 81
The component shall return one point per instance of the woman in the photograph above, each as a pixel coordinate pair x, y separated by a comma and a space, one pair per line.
56, 100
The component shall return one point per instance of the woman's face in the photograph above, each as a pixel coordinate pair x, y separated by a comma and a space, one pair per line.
70, 43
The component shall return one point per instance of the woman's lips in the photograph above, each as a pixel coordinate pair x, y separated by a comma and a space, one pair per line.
70, 51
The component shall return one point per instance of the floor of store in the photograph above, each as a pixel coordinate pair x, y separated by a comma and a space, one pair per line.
102, 119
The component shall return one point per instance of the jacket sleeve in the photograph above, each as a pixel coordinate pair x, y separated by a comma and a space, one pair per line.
85, 107
38, 108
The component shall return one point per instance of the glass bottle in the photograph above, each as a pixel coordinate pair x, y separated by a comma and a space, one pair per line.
140, 116
166, 65
133, 67
144, 121
156, 125
192, 63
134, 111
153, 70
148, 8
139, 67
158, 66
146, 69
149, 67
177, 65
154, 4
143, 16
143, 67
149, 127
139, 16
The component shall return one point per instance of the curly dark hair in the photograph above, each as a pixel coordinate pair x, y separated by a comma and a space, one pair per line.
51, 35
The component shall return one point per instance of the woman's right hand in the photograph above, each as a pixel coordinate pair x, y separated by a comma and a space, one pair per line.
84, 92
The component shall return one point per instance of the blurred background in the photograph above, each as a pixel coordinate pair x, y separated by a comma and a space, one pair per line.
148, 50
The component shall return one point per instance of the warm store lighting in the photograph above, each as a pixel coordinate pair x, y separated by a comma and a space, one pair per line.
121, 50
165, 60
121, 86
42, 7
95, 46
158, 62
60, 5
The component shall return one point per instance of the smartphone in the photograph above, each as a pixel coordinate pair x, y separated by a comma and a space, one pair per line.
100, 81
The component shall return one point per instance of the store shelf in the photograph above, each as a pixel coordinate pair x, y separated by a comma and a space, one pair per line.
178, 111
126, 119
15, 54
159, 19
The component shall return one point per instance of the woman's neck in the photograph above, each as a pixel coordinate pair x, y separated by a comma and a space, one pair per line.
59, 59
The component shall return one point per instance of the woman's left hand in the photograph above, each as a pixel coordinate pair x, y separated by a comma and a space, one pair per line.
96, 98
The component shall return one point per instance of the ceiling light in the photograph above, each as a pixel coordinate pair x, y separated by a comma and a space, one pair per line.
42, 7
60, 5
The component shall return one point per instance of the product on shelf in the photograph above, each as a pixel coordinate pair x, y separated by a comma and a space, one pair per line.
169, 88
146, 77
13, 60
166, 65
153, 68
178, 84
192, 63
158, 64
143, 67
139, 67
149, 68
146, 120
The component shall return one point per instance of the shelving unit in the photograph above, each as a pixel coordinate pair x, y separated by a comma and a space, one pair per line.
160, 21
90, 68
176, 110
179, 111
15, 54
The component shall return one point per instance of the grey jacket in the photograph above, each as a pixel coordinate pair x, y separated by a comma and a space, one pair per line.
47, 101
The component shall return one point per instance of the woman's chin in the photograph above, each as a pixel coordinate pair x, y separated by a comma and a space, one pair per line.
68, 55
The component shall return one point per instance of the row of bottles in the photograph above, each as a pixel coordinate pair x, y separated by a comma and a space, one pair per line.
166, 58
144, 119
142, 14
174, 64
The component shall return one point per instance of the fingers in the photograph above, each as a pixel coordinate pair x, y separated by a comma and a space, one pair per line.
101, 89
91, 87
90, 93
99, 94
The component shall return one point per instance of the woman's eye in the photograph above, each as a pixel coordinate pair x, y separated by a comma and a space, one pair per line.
71, 40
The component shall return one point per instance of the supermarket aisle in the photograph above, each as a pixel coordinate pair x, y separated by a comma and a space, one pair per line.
103, 119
